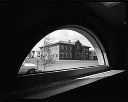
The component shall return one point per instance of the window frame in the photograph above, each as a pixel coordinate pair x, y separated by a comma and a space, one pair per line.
62, 55
45, 79
62, 47
66, 48
72, 28
66, 54
75, 72
70, 54
70, 48
90, 35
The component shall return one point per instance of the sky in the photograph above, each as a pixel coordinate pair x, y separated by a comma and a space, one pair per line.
65, 35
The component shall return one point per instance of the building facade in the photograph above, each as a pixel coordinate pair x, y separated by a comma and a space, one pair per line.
67, 51
92, 55
37, 54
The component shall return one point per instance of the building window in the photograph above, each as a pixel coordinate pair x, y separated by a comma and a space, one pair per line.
62, 47
75, 55
66, 55
61, 55
86, 49
78, 47
84, 56
70, 55
83, 49
66, 48
70, 48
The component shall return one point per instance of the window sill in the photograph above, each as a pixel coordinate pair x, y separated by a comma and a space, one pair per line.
64, 86
43, 81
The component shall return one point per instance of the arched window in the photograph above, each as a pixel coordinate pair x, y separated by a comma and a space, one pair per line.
93, 39
48, 70
78, 37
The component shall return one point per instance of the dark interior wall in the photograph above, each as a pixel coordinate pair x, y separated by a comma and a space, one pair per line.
31, 22
40, 19
114, 18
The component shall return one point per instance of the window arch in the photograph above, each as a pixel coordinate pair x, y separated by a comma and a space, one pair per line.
40, 64
100, 51
51, 77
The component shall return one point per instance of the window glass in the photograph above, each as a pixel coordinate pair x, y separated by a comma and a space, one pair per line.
62, 47
70, 48
68, 55
66, 48
72, 55
86, 49
62, 55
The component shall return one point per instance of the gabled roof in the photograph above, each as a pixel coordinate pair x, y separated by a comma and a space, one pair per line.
78, 42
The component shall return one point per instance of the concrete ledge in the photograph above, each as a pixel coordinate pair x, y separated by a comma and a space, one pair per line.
28, 83
63, 87
51, 76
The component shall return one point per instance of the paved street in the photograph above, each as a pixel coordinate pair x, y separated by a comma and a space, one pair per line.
64, 64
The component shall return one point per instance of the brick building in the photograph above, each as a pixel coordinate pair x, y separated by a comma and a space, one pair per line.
68, 50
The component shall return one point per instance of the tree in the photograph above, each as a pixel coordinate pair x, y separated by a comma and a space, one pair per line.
47, 55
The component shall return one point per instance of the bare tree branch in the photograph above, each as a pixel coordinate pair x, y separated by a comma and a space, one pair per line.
47, 55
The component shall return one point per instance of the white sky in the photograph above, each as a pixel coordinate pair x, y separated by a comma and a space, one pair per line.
65, 35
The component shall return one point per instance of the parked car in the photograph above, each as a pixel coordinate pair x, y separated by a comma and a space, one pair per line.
29, 68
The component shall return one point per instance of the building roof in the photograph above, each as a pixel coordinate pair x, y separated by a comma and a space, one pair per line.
65, 42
